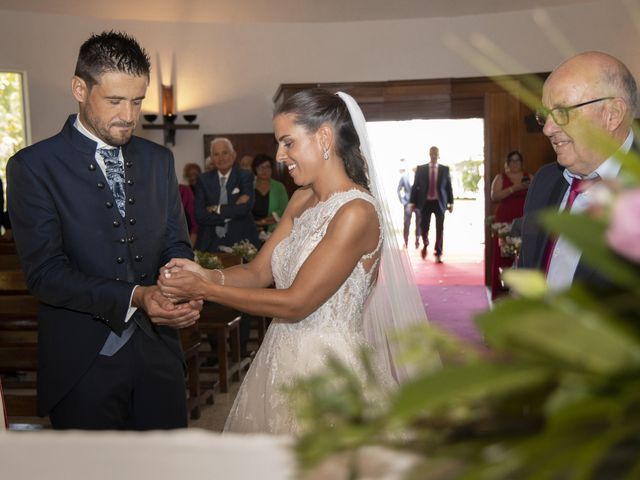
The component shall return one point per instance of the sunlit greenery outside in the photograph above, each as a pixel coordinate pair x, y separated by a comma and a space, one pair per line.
12, 118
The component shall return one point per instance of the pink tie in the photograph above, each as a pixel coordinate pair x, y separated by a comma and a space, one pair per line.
431, 195
574, 191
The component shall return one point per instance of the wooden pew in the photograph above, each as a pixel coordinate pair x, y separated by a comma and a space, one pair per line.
8, 256
12, 282
19, 353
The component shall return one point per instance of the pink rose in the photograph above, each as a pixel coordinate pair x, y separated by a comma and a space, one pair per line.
623, 234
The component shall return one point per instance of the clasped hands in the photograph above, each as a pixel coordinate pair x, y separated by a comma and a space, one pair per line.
183, 280
176, 300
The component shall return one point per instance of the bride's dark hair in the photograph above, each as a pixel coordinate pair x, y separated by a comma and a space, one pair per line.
316, 106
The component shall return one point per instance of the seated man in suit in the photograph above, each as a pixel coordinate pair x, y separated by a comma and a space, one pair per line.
223, 203
589, 92
224, 198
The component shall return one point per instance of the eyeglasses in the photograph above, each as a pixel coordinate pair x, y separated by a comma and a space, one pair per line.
560, 115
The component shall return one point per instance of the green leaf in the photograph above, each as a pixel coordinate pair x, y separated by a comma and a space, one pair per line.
526, 283
468, 383
496, 324
588, 235
578, 339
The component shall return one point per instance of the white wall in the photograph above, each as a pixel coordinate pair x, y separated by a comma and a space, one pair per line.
228, 74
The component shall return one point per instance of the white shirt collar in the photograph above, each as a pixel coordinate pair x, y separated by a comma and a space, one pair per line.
608, 169
83, 130
225, 176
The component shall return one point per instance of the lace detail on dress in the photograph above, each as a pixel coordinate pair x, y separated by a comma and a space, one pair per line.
291, 350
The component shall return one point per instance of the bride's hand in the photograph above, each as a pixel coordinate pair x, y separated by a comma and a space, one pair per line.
176, 264
182, 284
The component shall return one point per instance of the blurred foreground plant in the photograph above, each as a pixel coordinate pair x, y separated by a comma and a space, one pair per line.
558, 397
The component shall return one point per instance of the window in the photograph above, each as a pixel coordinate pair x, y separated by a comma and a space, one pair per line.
13, 126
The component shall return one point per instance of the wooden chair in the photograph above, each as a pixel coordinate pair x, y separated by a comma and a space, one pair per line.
190, 338
224, 324
228, 259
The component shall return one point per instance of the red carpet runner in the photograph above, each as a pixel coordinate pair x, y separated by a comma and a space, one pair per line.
452, 292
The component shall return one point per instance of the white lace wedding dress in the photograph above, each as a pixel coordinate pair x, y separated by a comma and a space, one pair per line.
291, 350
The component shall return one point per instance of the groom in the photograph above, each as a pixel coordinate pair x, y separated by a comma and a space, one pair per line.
95, 213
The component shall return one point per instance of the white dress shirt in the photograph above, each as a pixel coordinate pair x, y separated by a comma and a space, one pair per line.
565, 257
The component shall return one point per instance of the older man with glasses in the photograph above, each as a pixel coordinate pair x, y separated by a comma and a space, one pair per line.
589, 102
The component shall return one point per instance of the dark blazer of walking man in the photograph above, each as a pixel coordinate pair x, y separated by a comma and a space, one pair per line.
432, 194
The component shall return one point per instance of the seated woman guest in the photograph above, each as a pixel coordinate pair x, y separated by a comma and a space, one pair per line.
190, 173
508, 190
271, 195
186, 195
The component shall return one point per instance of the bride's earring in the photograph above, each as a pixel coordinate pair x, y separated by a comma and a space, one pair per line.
325, 153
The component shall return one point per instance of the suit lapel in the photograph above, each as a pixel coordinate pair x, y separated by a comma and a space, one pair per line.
556, 192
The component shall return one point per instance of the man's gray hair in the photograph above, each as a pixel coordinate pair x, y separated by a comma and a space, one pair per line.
624, 83
224, 140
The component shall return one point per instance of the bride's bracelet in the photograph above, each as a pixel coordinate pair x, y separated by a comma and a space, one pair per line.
221, 275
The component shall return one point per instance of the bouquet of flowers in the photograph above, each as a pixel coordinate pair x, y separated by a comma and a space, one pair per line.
207, 260
500, 229
244, 249
509, 246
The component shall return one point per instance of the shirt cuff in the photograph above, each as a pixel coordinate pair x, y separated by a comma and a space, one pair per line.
131, 310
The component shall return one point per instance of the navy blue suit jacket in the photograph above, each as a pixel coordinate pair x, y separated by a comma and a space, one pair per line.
546, 192
240, 222
75, 247
420, 187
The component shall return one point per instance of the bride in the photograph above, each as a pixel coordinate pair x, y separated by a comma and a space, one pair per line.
325, 259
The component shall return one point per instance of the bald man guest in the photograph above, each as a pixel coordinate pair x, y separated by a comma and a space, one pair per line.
592, 90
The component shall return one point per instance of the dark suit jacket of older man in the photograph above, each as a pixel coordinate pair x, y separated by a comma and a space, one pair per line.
546, 191
238, 218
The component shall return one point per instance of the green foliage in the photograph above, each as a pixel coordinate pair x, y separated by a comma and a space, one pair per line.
470, 170
12, 134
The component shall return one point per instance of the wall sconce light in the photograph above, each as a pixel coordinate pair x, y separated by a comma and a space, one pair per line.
169, 125
167, 100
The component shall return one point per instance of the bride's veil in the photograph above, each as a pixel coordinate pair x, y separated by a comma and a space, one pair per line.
395, 302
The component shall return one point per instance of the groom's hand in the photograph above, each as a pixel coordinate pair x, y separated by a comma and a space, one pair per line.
162, 311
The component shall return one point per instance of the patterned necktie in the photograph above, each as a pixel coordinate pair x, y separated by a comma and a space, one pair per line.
224, 199
114, 171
